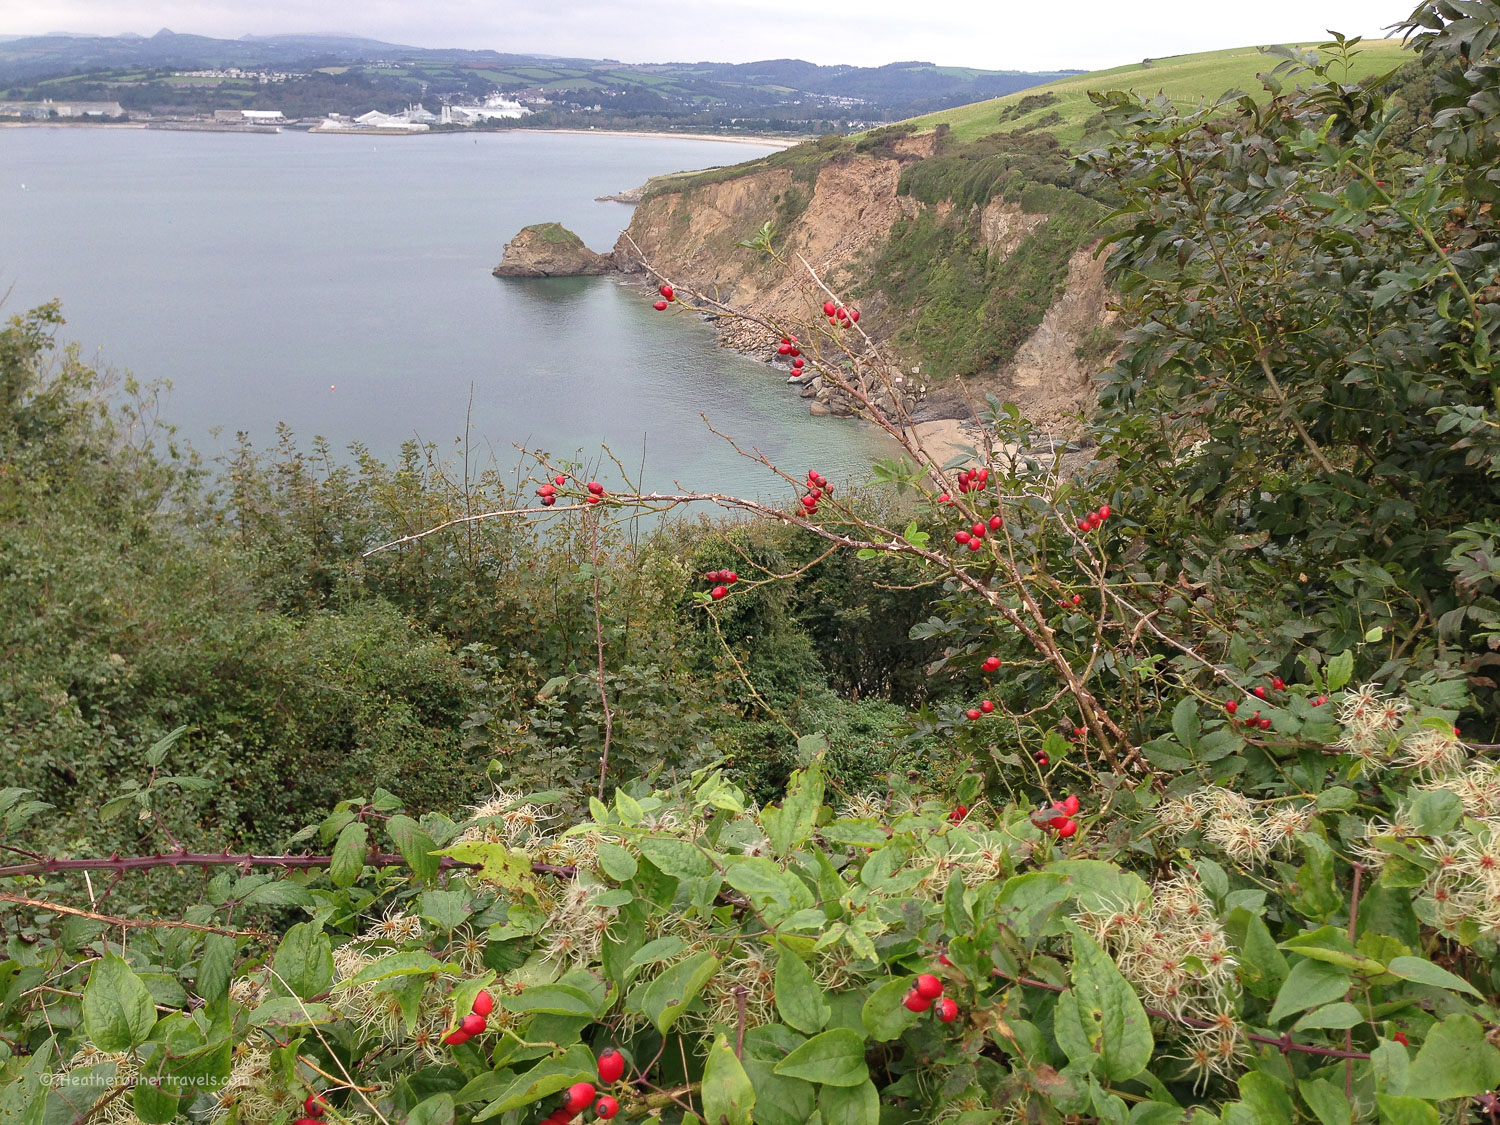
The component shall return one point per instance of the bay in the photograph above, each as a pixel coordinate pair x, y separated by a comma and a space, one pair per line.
341, 285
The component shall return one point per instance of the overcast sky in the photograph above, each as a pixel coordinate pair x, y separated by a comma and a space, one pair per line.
994, 34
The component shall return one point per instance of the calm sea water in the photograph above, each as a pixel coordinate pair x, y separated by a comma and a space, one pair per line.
341, 284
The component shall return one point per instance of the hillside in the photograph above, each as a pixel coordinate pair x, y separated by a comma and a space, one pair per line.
1062, 107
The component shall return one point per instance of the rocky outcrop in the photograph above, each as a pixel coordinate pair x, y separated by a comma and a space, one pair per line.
550, 250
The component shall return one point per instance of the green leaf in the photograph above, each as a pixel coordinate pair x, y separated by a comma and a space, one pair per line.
216, 968
1185, 722
1337, 797
415, 846
1435, 812
1340, 669
349, 854
792, 823
1327, 1101
1338, 1015
728, 1095
616, 862
798, 997
669, 995
1405, 1111
1266, 1097
1112, 1016
280, 892
678, 858
117, 1009
1425, 972
304, 960
849, 1105
1309, 984
436, 1110
498, 865
885, 1015
506, 1092
410, 962
556, 999
1262, 967
1456, 1061
834, 1058
158, 752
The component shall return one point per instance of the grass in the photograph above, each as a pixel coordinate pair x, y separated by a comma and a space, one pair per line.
1184, 78
556, 234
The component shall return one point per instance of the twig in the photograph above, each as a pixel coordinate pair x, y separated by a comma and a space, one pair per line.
58, 908
52, 866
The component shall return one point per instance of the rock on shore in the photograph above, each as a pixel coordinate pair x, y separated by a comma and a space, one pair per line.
550, 250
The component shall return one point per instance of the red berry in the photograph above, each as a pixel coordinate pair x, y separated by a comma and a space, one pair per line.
1104, 513
854, 315
484, 1004
991, 664
473, 1024
454, 1038
958, 814
828, 308
996, 523
916, 1002
548, 501
611, 1066
945, 499
315, 1105
1068, 828
560, 480
809, 501
961, 536
975, 544
1041, 760
1258, 691
973, 713
1070, 805
1079, 732
841, 312
1264, 724
947, 1009
1278, 683
1400, 1037
593, 499
596, 488
1077, 599
1322, 699
799, 363
1230, 707
579, 1097
794, 352
977, 530
666, 291
660, 306
1083, 525
784, 348
730, 576
986, 706
606, 1107
929, 987
719, 593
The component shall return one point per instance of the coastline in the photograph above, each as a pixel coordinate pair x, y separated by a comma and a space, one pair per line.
776, 142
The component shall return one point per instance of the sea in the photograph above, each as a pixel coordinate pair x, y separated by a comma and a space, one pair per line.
340, 285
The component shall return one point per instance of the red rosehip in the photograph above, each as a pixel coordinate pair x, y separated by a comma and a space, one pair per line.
559, 480
973, 713
1068, 828
794, 352
1041, 760
799, 363
1083, 525
854, 315
975, 544
828, 308
719, 593
991, 664
961, 536
1104, 513
548, 501
1079, 732
1077, 599
1070, 804
473, 1024
484, 1004
660, 306
784, 348
1278, 683
1264, 724
977, 531
929, 987
958, 814
945, 499
593, 499
1322, 699
947, 1009
666, 291
315, 1105
596, 488
997, 522
986, 706
454, 1038
1258, 691
841, 312
606, 1107
579, 1097
916, 1002
1230, 707
1400, 1037
730, 576
611, 1066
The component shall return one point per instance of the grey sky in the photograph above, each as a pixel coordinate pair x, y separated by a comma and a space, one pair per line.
999, 34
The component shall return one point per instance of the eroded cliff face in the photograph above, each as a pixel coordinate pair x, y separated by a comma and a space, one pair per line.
849, 212
550, 250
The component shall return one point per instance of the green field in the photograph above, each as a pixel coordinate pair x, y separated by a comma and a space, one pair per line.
1183, 78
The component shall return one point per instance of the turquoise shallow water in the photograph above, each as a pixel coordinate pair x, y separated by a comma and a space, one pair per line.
341, 284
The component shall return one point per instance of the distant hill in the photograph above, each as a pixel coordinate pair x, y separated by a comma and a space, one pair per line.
1061, 107
786, 94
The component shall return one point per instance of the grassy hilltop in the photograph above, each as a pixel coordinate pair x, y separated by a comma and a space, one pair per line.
1062, 107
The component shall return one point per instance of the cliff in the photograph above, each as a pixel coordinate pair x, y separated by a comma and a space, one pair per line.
550, 250
971, 261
